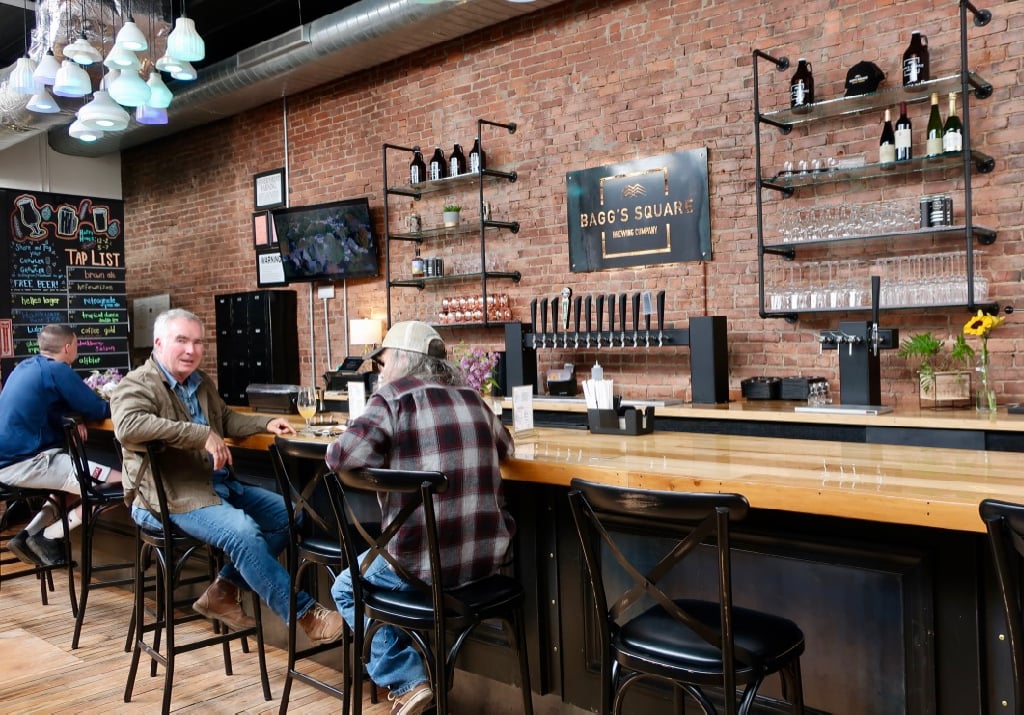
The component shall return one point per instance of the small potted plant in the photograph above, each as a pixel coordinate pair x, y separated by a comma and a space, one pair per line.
451, 215
945, 376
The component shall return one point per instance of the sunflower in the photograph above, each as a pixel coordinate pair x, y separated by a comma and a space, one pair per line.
982, 324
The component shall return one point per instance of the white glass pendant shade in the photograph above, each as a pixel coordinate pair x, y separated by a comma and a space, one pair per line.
79, 131
131, 38
42, 102
169, 64
71, 81
184, 41
129, 89
82, 52
186, 73
46, 70
159, 96
108, 79
103, 113
122, 59
21, 79
144, 114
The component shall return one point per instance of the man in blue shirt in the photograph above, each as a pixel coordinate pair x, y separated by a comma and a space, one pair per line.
39, 392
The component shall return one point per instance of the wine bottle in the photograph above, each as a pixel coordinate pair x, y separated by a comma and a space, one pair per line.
887, 142
915, 60
903, 135
801, 87
417, 168
438, 167
953, 130
477, 158
418, 267
457, 161
933, 144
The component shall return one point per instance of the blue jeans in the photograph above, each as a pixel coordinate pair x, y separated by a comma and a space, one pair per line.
394, 663
250, 526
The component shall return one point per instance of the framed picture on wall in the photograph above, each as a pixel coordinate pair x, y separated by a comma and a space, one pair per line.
269, 269
268, 189
261, 228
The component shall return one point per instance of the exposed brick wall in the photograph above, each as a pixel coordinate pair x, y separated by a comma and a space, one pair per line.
592, 83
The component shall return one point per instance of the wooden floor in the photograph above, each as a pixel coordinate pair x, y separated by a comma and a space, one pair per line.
39, 673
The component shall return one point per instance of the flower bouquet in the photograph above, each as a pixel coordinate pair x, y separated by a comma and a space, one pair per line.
980, 326
478, 368
103, 383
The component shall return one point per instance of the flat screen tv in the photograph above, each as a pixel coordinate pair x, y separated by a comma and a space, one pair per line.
327, 242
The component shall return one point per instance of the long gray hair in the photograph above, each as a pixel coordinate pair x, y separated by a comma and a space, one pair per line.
425, 367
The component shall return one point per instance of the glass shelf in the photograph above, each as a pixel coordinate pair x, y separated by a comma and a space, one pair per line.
451, 183
982, 235
881, 99
791, 315
463, 229
953, 160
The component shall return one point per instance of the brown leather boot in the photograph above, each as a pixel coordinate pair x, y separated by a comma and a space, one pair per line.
322, 625
221, 601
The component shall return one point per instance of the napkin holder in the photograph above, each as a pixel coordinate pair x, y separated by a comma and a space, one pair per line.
624, 420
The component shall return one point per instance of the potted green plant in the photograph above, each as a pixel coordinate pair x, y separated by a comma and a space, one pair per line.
945, 377
451, 215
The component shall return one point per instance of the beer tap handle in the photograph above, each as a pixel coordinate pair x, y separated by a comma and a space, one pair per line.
577, 305
533, 321
636, 319
622, 315
660, 302
599, 309
543, 322
611, 320
876, 289
588, 306
554, 322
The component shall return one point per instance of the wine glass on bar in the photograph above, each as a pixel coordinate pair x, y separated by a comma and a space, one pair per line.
305, 401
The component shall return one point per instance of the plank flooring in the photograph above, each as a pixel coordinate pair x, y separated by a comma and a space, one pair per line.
39, 673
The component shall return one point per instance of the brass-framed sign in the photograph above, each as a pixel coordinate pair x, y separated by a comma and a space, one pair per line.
641, 212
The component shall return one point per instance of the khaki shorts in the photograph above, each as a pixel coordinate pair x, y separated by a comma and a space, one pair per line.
51, 470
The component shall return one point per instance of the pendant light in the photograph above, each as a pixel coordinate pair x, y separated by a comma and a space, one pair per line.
145, 114
186, 72
104, 113
46, 69
21, 80
129, 89
82, 51
42, 102
130, 36
122, 59
71, 81
159, 95
79, 131
168, 64
184, 42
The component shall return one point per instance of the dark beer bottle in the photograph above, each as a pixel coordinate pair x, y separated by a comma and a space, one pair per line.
438, 168
915, 60
801, 88
418, 168
477, 158
457, 161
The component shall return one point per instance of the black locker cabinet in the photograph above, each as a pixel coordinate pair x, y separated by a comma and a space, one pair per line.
257, 341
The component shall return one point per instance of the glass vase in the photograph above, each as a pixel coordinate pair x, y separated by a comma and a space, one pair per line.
985, 396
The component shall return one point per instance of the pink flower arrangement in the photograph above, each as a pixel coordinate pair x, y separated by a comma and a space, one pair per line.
478, 368
103, 383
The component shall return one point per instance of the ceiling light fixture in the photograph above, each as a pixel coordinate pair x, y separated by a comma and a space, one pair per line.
42, 102
159, 95
185, 73
46, 69
82, 51
145, 114
104, 113
21, 79
184, 42
130, 36
79, 131
129, 89
71, 81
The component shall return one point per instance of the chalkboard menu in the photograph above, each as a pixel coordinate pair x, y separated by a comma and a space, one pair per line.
65, 260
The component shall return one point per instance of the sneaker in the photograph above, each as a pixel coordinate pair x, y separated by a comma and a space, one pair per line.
51, 552
414, 702
18, 546
322, 625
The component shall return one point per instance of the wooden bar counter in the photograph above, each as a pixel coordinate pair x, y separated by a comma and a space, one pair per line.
874, 548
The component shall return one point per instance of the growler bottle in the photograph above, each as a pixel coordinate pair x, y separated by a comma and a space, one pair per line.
915, 60
417, 168
457, 161
477, 158
438, 168
801, 88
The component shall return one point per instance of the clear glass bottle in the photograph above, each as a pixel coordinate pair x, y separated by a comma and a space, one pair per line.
418, 267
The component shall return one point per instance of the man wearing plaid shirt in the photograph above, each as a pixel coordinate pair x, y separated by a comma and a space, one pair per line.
422, 417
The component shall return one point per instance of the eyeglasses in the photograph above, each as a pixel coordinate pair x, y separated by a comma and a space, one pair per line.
378, 362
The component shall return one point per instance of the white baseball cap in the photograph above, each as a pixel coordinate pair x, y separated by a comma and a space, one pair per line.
414, 336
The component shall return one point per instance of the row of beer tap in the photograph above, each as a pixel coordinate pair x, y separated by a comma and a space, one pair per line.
580, 312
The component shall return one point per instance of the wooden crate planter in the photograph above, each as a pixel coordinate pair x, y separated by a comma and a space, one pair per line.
948, 390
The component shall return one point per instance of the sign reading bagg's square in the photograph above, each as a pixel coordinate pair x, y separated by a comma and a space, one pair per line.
640, 212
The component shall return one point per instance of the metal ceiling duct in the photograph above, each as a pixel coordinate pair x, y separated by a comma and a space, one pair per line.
358, 37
